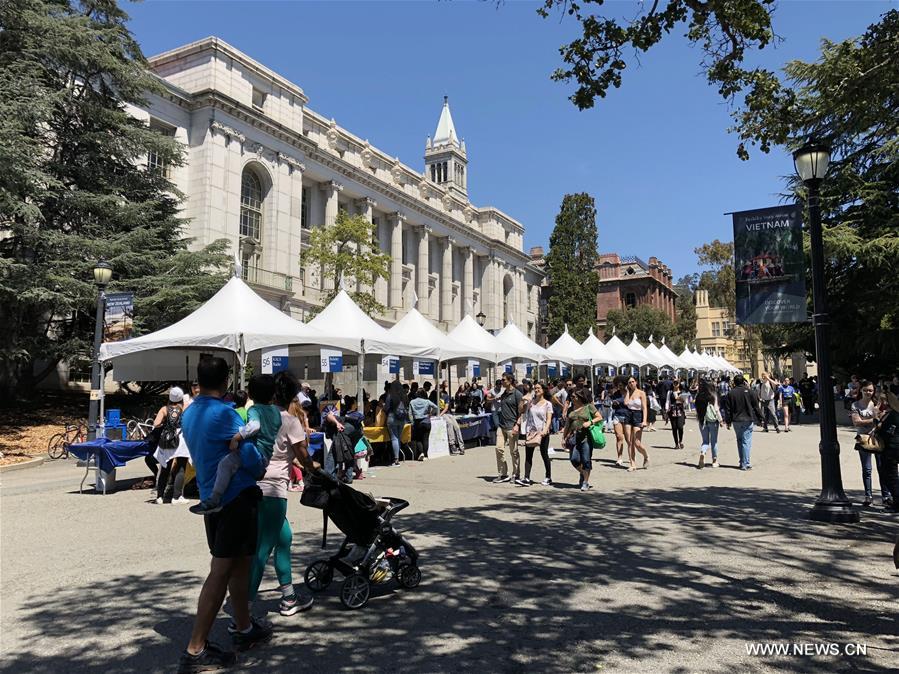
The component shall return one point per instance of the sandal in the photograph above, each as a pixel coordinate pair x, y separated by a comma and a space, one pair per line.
631, 468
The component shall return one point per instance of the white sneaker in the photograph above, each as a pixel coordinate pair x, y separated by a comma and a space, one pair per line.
715, 464
547, 482
158, 500
180, 500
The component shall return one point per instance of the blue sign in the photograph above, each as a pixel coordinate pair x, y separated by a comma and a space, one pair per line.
331, 360
507, 368
424, 367
551, 370
391, 364
529, 369
475, 367
566, 370
611, 371
279, 364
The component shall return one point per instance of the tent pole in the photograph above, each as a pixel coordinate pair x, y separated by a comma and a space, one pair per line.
243, 364
360, 366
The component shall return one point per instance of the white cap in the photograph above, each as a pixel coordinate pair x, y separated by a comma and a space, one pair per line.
176, 395
303, 399
304, 385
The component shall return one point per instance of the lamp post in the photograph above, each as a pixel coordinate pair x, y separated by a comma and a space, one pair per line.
811, 163
102, 275
481, 318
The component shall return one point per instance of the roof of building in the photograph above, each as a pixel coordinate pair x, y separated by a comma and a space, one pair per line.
446, 130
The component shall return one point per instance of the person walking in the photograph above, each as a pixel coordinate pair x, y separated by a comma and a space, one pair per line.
741, 409
171, 450
637, 410
274, 533
787, 393
576, 435
676, 409
536, 424
708, 414
508, 414
864, 417
209, 425
619, 418
422, 410
396, 407
768, 398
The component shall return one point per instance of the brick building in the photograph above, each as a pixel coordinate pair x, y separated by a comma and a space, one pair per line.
630, 282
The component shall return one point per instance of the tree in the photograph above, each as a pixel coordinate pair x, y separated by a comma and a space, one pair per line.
570, 268
76, 186
684, 332
848, 100
720, 281
346, 253
724, 29
644, 321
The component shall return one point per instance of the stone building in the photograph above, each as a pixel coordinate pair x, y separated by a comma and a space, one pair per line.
262, 169
719, 335
630, 282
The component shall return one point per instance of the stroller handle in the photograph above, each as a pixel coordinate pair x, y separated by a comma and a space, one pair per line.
396, 504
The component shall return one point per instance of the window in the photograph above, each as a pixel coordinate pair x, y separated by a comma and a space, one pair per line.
304, 209
155, 163
630, 300
725, 328
433, 173
258, 98
716, 329
250, 205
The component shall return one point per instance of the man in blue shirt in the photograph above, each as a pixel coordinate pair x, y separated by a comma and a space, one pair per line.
208, 425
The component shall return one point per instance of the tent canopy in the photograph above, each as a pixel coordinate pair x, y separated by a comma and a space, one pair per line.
670, 359
414, 328
525, 347
618, 352
479, 343
641, 358
596, 350
567, 349
234, 319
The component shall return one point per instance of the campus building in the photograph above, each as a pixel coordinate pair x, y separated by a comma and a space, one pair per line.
719, 335
628, 282
262, 170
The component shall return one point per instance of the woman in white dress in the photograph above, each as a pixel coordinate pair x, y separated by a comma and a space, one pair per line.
171, 453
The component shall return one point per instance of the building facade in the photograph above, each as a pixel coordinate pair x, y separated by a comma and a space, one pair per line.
630, 282
262, 169
719, 335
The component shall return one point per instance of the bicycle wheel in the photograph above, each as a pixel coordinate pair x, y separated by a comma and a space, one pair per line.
56, 448
134, 430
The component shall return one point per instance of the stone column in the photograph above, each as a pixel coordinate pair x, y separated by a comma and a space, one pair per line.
331, 190
422, 268
468, 282
366, 207
446, 282
396, 260
522, 302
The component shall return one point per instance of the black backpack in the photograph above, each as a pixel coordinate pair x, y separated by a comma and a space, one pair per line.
168, 438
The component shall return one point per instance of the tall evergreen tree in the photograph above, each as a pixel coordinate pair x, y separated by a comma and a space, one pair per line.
76, 185
570, 268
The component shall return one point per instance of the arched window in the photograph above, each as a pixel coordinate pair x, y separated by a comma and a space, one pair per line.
250, 205
630, 300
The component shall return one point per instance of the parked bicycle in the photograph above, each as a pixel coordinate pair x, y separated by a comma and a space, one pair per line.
58, 446
139, 430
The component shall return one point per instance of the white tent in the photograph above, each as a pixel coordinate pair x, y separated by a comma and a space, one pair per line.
343, 320
671, 359
567, 349
526, 348
235, 319
692, 360
596, 350
413, 328
652, 351
480, 343
641, 358
618, 353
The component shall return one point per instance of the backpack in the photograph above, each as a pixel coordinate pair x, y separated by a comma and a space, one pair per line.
711, 415
171, 427
400, 413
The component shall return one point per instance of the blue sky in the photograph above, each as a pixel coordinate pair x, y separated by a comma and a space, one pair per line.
655, 154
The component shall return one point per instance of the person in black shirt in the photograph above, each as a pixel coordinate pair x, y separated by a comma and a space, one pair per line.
509, 411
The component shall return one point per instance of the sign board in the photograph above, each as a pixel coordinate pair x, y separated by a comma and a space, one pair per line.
529, 369
331, 360
552, 369
422, 368
507, 368
438, 439
274, 360
118, 318
474, 368
391, 364
769, 266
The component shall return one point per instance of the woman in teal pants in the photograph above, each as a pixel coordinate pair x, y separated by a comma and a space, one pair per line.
275, 536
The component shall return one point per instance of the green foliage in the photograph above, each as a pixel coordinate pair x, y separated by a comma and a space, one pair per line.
644, 321
75, 187
723, 29
345, 251
684, 332
720, 280
848, 99
570, 268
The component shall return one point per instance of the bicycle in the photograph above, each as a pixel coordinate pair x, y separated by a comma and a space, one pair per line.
139, 430
58, 445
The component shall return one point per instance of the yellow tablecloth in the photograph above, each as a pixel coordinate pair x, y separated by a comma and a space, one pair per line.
381, 434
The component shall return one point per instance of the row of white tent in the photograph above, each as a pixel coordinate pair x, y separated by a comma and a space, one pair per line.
238, 320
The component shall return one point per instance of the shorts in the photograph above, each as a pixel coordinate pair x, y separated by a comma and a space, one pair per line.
621, 416
232, 531
634, 418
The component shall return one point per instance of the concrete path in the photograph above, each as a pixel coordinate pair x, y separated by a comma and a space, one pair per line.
670, 569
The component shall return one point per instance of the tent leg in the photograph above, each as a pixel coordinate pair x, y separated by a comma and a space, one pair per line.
360, 367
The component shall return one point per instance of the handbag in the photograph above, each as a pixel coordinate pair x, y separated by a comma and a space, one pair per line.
869, 442
533, 438
597, 435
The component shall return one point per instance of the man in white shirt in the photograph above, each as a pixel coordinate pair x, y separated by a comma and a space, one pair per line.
768, 396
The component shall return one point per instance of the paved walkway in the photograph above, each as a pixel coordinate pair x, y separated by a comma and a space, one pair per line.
671, 569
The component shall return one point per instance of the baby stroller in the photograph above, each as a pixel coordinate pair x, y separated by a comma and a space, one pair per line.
372, 553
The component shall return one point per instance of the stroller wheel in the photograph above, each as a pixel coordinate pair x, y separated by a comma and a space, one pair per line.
409, 576
319, 576
355, 591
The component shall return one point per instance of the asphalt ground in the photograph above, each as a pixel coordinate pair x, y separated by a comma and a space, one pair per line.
669, 569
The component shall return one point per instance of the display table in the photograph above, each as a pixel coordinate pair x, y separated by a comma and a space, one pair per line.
477, 427
381, 434
107, 455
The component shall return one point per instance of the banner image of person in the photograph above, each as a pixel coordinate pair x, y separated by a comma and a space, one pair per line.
118, 319
769, 265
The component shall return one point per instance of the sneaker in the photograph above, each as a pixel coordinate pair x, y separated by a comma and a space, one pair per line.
394, 464
585, 486
293, 487
701, 461
777, 430
181, 500
210, 659
715, 464
158, 500
547, 482
520, 483
295, 603
424, 458
260, 633
203, 508
868, 501
501, 478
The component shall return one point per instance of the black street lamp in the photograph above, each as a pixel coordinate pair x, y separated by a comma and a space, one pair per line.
811, 163
102, 275
481, 318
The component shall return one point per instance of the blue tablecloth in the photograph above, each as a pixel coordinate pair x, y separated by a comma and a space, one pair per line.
476, 427
111, 453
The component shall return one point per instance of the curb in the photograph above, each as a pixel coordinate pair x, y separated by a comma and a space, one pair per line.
36, 461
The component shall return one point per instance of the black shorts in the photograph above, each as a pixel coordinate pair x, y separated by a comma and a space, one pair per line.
231, 532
